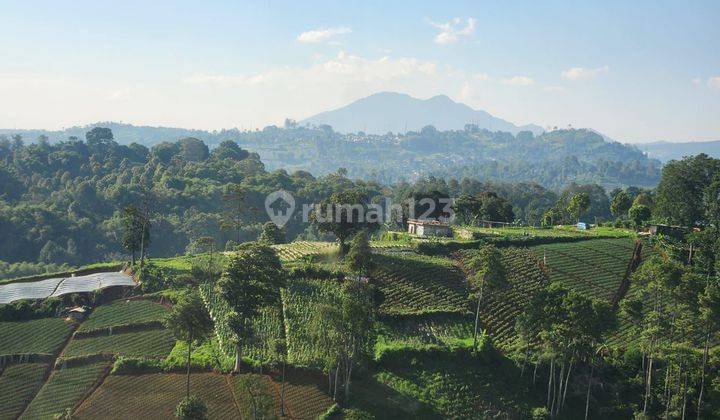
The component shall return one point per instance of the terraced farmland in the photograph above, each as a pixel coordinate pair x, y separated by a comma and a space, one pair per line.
66, 388
594, 267
268, 324
415, 284
301, 300
39, 336
155, 396
438, 329
297, 250
500, 308
18, 385
156, 343
124, 313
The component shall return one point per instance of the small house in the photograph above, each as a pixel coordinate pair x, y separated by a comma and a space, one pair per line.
425, 228
582, 226
78, 314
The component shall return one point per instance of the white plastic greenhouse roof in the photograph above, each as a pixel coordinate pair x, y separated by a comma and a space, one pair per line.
42, 289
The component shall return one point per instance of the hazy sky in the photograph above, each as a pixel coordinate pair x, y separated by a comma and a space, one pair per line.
636, 72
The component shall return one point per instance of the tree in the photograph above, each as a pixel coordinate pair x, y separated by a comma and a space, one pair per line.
359, 256
191, 408
262, 403
190, 322
710, 317
346, 331
681, 193
271, 234
251, 280
620, 204
579, 204
639, 214
193, 150
134, 234
343, 214
234, 203
487, 271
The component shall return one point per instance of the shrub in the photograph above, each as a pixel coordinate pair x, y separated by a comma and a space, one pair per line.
132, 365
152, 278
31, 309
540, 413
191, 408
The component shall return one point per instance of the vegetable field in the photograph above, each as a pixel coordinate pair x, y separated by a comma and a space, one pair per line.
500, 308
297, 250
268, 324
154, 396
124, 313
418, 284
18, 385
155, 343
593, 267
40, 336
65, 389
301, 301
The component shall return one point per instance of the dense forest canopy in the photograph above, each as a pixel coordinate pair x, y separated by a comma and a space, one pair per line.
553, 159
63, 202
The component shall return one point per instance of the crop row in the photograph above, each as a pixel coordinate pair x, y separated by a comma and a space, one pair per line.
417, 284
39, 336
593, 267
301, 303
500, 307
297, 250
18, 384
267, 327
124, 312
154, 343
65, 389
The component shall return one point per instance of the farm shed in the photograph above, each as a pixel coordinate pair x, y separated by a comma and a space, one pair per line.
423, 228
78, 314
668, 230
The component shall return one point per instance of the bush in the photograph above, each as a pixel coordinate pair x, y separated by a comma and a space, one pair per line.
152, 278
540, 413
131, 365
31, 309
191, 408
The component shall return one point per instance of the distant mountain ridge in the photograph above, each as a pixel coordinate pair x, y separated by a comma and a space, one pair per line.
398, 113
665, 150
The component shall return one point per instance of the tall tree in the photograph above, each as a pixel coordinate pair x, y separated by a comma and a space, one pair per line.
251, 280
579, 204
359, 257
343, 214
133, 232
487, 272
234, 204
190, 322
620, 204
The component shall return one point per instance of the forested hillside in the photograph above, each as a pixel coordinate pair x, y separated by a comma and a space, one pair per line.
553, 159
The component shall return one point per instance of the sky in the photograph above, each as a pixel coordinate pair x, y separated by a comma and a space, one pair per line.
636, 71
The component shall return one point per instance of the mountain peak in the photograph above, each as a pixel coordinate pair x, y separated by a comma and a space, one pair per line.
399, 112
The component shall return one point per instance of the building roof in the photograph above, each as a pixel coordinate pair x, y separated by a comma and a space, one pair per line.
427, 222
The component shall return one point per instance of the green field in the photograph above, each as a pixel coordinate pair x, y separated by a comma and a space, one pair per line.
155, 396
268, 325
18, 385
414, 284
422, 330
155, 343
38, 336
299, 249
66, 388
124, 313
500, 308
301, 301
594, 267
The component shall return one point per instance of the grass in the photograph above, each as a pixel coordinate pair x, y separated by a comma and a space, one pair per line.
155, 396
154, 343
413, 284
66, 388
18, 385
40, 336
554, 232
124, 313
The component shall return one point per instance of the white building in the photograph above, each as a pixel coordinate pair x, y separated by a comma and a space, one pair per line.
426, 228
